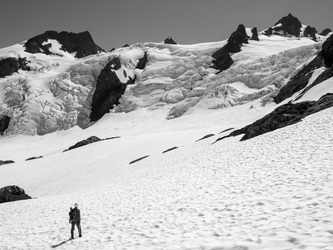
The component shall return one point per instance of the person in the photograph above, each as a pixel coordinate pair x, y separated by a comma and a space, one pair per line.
75, 219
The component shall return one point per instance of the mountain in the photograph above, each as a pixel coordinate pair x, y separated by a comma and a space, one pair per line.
220, 145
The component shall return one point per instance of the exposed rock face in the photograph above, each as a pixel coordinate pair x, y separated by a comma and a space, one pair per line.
236, 40
12, 193
81, 43
34, 158
310, 32
325, 32
254, 34
109, 89
142, 61
6, 162
139, 159
327, 51
301, 79
283, 116
89, 140
222, 59
11, 64
4, 123
169, 40
288, 25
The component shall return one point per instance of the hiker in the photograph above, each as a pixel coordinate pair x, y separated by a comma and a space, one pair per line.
75, 219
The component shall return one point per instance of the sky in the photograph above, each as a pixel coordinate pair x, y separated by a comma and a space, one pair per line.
113, 23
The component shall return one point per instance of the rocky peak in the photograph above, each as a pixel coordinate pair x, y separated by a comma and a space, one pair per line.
288, 25
325, 32
169, 40
81, 43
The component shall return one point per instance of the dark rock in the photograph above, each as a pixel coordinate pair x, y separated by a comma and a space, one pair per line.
236, 40
254, 34
170, 149
142, 61
12, 64
111, 138
12, 193
205, 137
112, 49
4, 123
34, 158
6, 162
222, 59
169, 40
328, 73
139, 159
81, 43
300, 80
8, 66
310, 32
327, 51
325, 32
268, 32
226, 130
290, 25
283, 116
126, 45
91, 139
108, 91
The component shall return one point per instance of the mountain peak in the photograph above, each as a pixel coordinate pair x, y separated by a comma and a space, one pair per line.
169, 40
81, 43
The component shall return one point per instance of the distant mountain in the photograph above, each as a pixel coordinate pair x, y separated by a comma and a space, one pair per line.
55, 81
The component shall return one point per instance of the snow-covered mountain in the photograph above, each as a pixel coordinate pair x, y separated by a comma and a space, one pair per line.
165, 167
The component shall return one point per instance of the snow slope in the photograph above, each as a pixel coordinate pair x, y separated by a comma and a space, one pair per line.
270, 192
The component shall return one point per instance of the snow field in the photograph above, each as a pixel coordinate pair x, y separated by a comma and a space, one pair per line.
271, 192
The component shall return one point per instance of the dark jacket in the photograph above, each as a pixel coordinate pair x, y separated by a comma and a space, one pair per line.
74, 215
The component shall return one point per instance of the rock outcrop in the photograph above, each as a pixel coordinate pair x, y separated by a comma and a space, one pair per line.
288, 25
222, 59
255, 35
283, 116
81, 43
325, 32
12, 193
12, 64
4, 123
91, 139
169, 40
109, 89
6, 162
142, 61
310, 32
301, 79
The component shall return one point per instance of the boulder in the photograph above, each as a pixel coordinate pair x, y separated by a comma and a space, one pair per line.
310, 32
169, 40
4, 123
81, 43
12, 193
325, 32
108, 91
